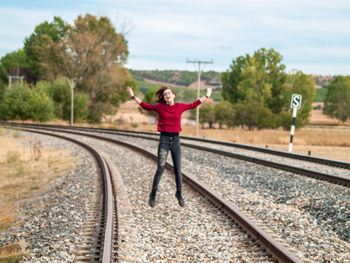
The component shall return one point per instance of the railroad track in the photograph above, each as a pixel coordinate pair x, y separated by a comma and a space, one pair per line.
150, 135
342, 178
281, 253
100, 233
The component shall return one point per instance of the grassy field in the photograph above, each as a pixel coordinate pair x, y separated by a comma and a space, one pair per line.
26, 169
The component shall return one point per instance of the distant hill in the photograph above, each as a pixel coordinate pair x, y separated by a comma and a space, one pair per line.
176, 77
322, 81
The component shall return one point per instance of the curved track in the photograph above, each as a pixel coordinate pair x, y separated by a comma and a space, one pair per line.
211, 146
138, 134
100, 234
279, 251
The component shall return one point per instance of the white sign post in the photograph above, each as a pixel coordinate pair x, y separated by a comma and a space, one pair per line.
295, 105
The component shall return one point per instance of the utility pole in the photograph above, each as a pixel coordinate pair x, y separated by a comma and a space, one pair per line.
72, 86
199, 62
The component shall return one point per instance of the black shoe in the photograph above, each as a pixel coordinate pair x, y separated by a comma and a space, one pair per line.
152, 199
180, 199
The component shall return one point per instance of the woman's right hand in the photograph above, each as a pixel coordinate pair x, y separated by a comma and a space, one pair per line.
130, 91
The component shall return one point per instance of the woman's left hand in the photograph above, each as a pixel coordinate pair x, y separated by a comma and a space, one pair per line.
209, 90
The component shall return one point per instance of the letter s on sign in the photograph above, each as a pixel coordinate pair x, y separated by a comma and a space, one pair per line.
296, 101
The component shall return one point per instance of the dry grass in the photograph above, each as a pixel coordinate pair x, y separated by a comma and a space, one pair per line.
26, 169
317, 117
12, 252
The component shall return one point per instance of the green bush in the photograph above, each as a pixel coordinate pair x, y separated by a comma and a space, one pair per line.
22, 103
207, 114
15, 104
60, 94
224, 114
42, 108
253, 115
284, 120
44, 87
81, 110
3, 88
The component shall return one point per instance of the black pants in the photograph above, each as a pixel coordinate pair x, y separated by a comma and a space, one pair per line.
167, 143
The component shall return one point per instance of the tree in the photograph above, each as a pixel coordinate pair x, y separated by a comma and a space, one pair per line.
259, 78
337, 101
231, 80
91, 54
224, 113
43, 38
207, 115
298, 83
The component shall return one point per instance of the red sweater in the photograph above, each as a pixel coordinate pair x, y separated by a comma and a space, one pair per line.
169, 117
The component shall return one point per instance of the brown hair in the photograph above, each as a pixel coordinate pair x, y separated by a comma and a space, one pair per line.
160, 96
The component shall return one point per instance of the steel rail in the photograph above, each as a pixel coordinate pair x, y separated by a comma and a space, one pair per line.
108, 234
314, 174
109, 197
310, 173
326, 161
281, 253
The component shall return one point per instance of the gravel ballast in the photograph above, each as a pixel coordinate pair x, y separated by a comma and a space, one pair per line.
310, 215
169, 233
51, 223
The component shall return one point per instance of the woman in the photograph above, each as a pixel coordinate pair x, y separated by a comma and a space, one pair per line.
169, 126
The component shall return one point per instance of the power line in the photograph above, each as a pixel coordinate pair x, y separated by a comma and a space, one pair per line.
198, 62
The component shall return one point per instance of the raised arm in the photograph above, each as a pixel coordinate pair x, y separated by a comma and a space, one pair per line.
140, 102
207, 95
131, 94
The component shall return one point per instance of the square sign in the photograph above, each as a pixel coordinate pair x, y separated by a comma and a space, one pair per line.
296, 101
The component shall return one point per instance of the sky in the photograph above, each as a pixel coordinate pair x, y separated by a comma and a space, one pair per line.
312, 35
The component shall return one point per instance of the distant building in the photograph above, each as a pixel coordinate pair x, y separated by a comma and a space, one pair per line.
18, 75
